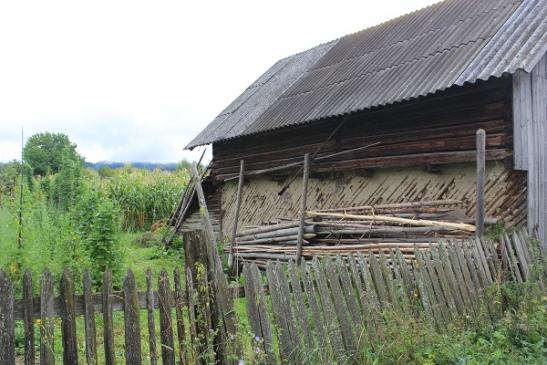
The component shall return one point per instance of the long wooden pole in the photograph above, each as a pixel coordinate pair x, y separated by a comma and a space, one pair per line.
383, 218
303, 207
236, 218
481, 169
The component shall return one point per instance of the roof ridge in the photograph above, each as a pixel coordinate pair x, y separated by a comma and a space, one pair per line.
421, 34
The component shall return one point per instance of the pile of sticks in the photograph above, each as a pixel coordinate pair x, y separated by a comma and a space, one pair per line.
357, 229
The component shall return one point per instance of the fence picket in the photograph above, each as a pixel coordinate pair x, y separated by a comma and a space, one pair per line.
333, 332
68, 320
300, 305
179, 305
349, 294
89, 321
339, 306
283, 332
7, 329
151, 321
28, 311
285, 299
311, 295
131, 321
108, 332
47, 353
166, 320
378, 280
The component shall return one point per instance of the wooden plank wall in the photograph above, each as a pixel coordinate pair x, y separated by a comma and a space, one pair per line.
530, 139
438, 129
261, 203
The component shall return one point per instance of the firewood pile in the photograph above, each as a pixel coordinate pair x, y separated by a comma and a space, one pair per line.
357, 229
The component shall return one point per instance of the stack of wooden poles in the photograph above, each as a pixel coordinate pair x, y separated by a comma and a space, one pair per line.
357, 229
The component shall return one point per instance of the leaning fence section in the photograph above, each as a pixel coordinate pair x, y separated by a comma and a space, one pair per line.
337, 304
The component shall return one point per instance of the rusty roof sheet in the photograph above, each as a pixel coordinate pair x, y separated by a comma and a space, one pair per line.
449, 43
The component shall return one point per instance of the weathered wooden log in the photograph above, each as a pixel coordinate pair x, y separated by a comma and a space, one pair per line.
277, 233
276, 239
382, 218
270, 228
419, 204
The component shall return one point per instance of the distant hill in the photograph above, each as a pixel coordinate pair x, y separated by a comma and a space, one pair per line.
171, 166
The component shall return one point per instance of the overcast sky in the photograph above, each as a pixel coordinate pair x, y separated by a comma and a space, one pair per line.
136, 80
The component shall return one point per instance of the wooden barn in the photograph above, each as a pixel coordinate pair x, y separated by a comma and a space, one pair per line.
388, 117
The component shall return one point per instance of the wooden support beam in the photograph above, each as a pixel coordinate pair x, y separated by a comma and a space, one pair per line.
236, 218
303, 207
481, 178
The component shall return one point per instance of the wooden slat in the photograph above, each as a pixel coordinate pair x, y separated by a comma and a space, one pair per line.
257, 312
179, 310
283, 284
350, 295
311, 295
300, 308
166, 321
68, 320
283, 332
7, 329
329, 312
151, 322
131, 321
191, 296
340, 307
47, 351
108, 332
89, 321
370, 290
236, 216
28, 309
378, 280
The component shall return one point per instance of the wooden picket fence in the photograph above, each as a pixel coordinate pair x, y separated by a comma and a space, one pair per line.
39, 313
338, 304
330, 303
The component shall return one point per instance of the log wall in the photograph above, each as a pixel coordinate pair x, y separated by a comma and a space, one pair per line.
434, 130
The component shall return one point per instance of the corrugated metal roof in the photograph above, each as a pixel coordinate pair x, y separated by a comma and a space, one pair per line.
449, 43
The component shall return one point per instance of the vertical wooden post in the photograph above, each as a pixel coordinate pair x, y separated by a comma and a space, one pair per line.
89, 320
47, 351
7, 329
236, 218
68, 319
481, 178
109, 358
131, 319
151, 322
166, 321
179, 305
303, 207
28, 312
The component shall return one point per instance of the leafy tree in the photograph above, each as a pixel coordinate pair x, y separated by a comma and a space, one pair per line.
47, 152
67, 184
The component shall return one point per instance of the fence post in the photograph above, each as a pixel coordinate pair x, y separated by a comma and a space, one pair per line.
166, 322
7, 330
89, 321
28, 312
131, 319
68, 320
303, 208
236, 218
151, 322
47, 354
481, 167
107, 319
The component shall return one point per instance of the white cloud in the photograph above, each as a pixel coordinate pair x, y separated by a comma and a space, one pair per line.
136, 80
